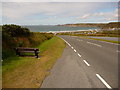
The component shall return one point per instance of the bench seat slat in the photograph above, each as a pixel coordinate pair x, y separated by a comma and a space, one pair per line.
21, 48
27, 50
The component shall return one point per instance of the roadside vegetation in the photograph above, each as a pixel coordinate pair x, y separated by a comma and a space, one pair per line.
17, 36
27, 72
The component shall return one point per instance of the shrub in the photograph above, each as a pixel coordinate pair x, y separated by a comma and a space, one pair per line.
17, 36
15, 30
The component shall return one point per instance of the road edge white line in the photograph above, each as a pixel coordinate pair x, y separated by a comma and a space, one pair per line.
79, 55
104, 82
86, 63
66, 41
75, 50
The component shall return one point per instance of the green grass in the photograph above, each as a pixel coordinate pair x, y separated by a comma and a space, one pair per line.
29, 72
14, 62
47, 44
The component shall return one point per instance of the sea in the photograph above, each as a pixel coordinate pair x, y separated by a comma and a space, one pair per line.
53, 28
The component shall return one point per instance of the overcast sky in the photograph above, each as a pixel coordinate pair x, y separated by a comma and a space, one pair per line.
52, 13
59, 0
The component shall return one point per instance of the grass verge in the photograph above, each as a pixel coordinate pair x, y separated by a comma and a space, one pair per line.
28, 72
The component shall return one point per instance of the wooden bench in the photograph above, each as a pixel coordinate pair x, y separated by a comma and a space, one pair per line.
20, 50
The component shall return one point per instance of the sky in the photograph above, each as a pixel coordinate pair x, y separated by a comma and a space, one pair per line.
24, 12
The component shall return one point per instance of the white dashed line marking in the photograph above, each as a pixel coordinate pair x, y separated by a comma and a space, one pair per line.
86, 63
103, 81
73, 36
117, 51
75, 50
79, 40
94, 44
79, 55
66, 42
69, 44
106, 42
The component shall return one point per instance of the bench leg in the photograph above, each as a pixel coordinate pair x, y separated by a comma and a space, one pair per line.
17, 53
36, 54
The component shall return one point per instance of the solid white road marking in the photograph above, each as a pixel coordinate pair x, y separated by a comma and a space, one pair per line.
103, 81
79, 55
75, 50
86, 63
94, 44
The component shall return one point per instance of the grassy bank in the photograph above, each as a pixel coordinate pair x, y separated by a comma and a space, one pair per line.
28, 72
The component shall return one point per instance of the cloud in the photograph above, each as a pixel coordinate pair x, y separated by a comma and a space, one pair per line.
21, 11
0, 13
60, 0
84, 16
103, 16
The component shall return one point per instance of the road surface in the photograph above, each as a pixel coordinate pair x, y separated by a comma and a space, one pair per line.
85, 63
107, 38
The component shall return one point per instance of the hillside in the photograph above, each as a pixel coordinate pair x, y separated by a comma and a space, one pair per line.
100, 25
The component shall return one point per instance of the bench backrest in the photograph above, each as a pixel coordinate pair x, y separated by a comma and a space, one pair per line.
26, 49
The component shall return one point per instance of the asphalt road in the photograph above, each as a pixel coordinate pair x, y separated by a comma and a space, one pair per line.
85, 63
107, 38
